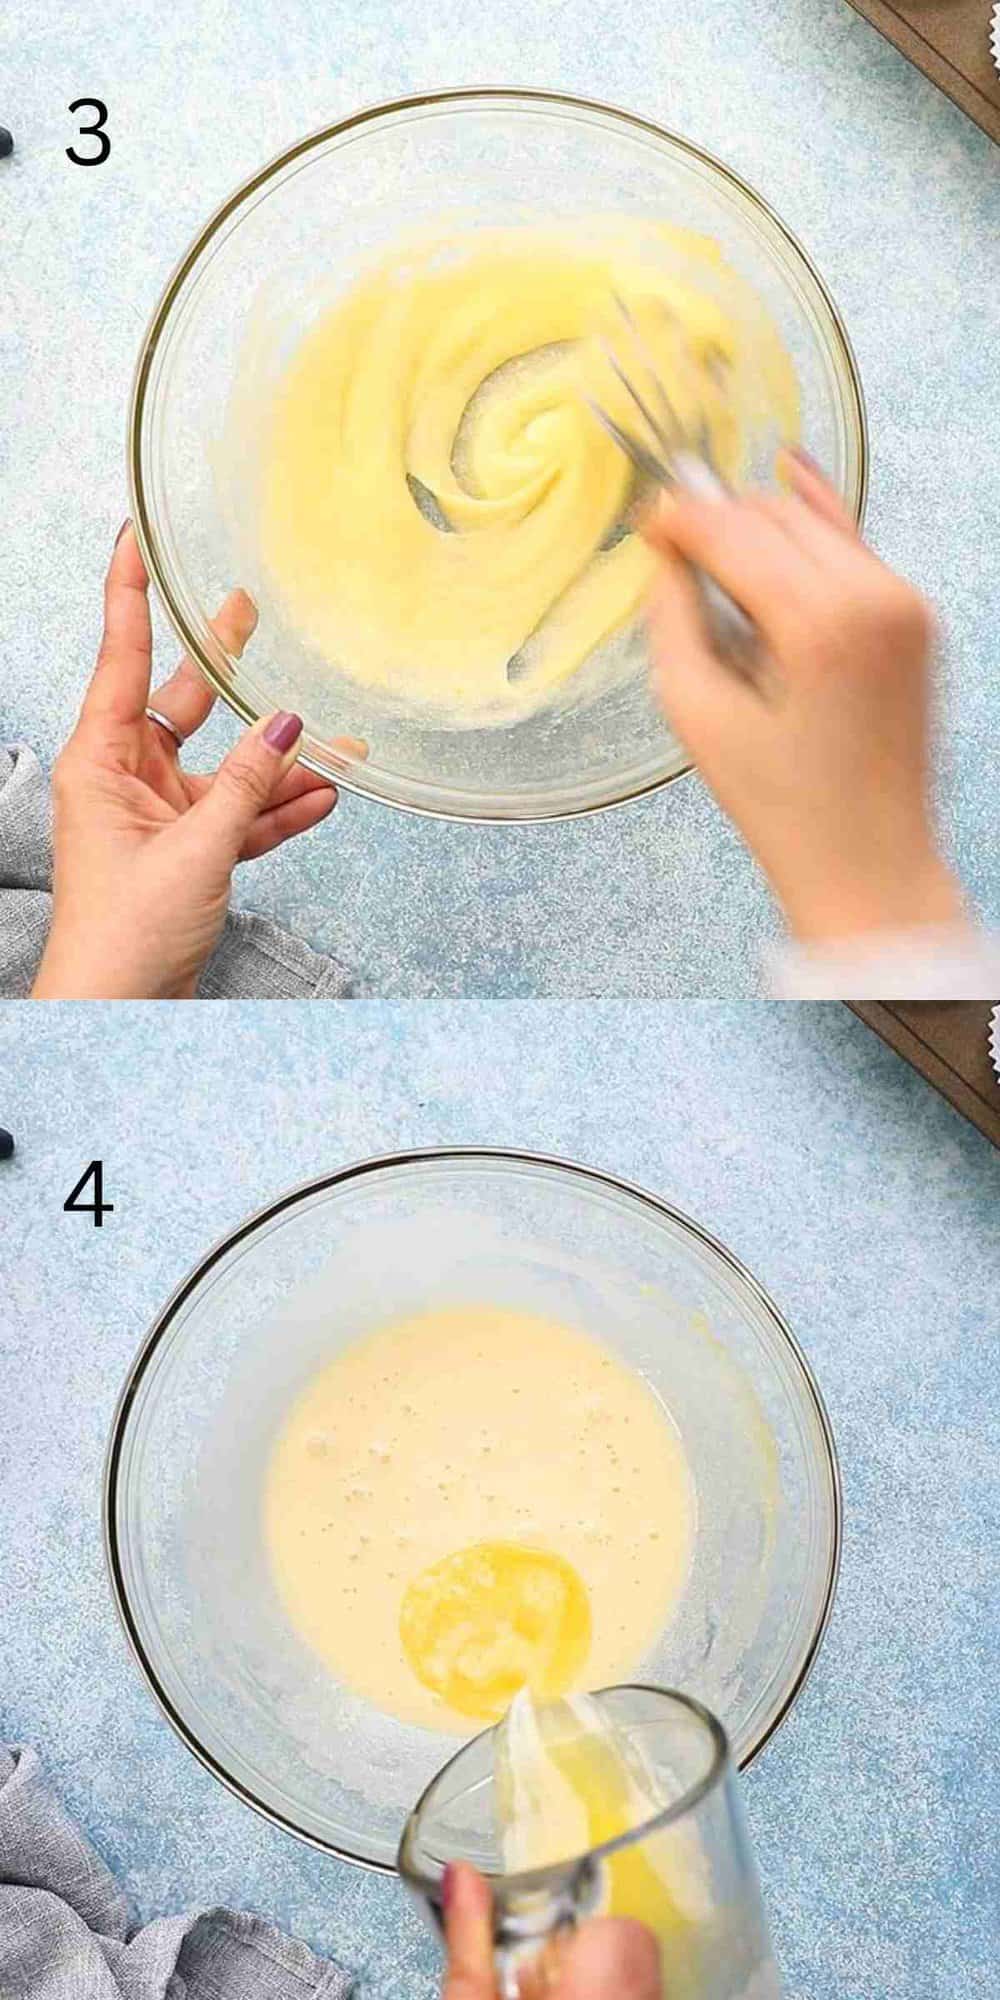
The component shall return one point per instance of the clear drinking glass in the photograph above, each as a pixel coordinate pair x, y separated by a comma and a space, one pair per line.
710, 1922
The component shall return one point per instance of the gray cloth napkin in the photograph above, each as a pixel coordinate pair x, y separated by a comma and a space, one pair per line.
65, 1932
253, 960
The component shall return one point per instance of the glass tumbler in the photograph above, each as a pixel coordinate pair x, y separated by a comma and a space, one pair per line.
687, 1872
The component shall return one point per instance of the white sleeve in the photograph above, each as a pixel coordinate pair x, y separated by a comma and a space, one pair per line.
929, 962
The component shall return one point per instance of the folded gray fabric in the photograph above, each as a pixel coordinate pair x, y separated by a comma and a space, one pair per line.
254, 959
65, 1932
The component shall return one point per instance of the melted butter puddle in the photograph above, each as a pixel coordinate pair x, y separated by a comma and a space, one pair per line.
492, 1619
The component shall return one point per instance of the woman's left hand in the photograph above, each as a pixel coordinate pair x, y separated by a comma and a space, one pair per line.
144, 851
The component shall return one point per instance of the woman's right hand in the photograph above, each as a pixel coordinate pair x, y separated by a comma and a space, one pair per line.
822, 759
610, 1958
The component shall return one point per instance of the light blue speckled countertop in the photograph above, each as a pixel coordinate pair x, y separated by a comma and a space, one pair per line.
887, 183
858, 1197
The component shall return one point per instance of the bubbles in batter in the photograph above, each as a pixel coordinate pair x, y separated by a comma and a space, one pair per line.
470, 1497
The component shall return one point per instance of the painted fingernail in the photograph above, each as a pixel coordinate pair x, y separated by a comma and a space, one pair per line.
806, 459
282, 731
447, 1886
127, 523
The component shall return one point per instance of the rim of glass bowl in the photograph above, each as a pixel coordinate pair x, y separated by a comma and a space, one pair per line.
418, 795
403, 1161
472, 1156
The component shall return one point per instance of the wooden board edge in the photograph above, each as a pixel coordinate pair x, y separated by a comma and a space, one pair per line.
879, 1016
935, 66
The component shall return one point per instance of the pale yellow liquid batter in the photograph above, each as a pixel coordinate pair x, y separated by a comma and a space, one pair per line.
461, 1428
438, 502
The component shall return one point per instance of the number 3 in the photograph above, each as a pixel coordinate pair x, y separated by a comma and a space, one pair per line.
95, 131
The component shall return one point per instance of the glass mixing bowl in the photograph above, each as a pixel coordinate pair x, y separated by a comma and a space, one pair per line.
321, 1266
320, 214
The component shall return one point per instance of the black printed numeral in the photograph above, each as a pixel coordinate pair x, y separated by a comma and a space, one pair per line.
94, 131
93, 1178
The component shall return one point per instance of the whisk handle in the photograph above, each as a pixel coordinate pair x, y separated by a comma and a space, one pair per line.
733, 634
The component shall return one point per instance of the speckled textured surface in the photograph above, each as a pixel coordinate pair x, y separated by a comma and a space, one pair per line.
888, 184
857, 1196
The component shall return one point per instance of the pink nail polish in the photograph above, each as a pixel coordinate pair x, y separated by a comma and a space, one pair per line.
806, 459
282, 731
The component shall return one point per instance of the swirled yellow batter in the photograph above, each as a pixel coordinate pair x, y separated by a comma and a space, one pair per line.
441, 513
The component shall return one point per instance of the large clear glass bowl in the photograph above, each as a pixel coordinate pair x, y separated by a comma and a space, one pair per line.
318, 215
318, 1268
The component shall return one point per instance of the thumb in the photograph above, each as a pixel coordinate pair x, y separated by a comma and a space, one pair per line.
468, 1935
694, 687
681, 644
246, 781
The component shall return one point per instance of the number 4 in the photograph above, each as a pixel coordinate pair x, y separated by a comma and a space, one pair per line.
98, 1208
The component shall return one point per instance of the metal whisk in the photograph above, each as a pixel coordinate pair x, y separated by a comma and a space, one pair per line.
669, 455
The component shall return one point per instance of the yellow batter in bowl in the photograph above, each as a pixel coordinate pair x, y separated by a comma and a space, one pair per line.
473, 1500
441, 514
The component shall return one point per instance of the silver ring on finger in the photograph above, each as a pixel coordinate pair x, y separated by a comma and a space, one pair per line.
165, 723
